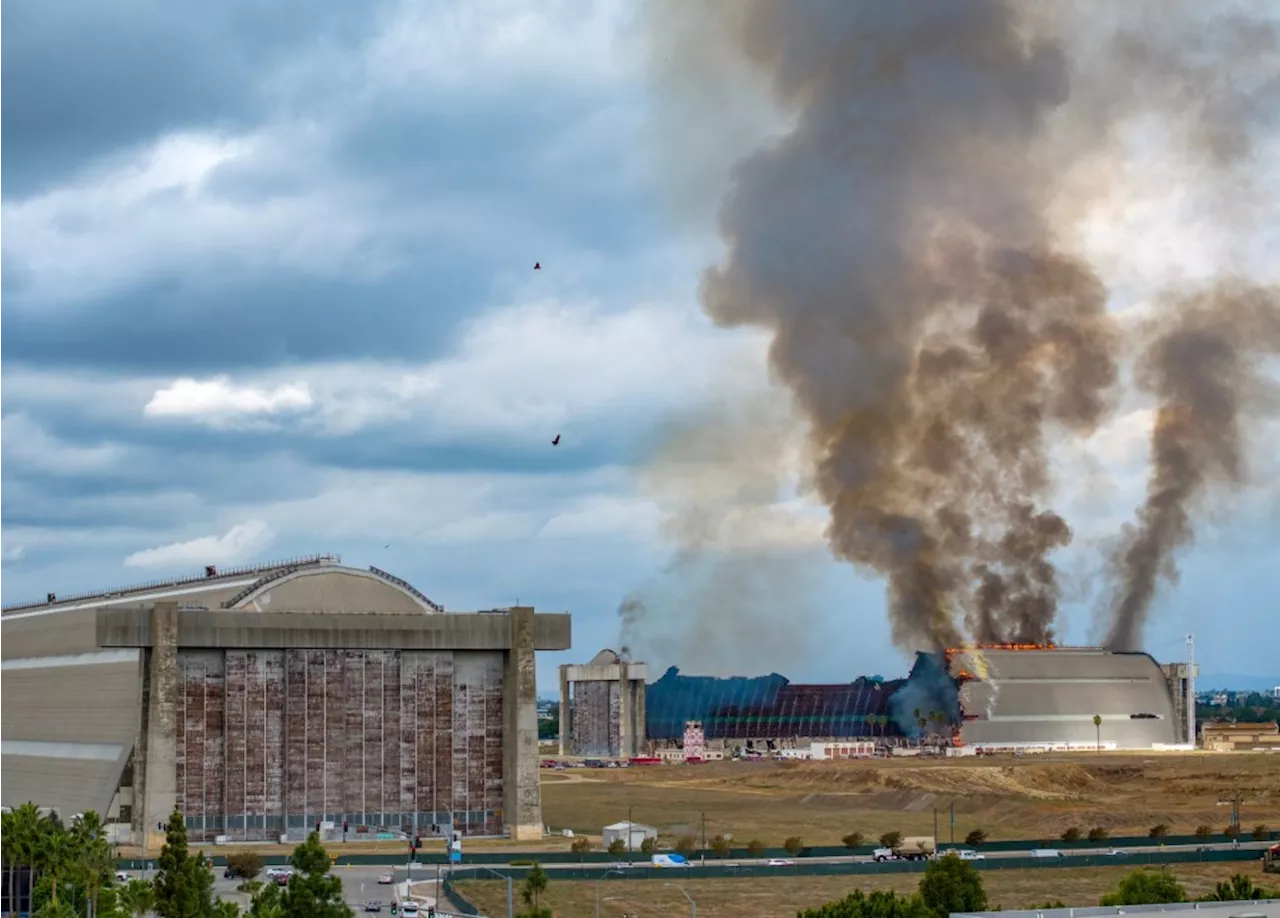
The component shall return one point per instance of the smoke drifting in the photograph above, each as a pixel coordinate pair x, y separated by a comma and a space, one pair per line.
1202, 365
902, 241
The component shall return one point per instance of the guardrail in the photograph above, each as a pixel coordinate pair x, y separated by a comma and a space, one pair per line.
821, 868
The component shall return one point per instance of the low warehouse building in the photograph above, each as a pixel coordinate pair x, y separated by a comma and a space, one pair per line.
631, 834
263, 700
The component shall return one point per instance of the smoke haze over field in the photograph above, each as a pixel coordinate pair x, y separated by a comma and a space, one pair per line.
904, 239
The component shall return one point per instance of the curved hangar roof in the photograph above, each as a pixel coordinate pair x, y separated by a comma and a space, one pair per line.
1034, 697
318, 583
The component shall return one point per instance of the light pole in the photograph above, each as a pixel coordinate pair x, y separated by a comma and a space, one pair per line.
693, 906
511, 909
598, 879
630, 834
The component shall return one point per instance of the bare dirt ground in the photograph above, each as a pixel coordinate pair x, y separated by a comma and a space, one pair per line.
783, 896
1032, 797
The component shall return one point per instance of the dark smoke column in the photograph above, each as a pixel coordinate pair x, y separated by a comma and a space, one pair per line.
1202, 366
894, 244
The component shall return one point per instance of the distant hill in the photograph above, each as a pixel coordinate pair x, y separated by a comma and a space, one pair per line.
1236, 682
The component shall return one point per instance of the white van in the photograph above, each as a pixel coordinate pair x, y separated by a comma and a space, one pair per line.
409, 909
1045, 852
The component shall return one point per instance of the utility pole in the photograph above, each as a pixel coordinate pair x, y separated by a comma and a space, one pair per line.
953, 822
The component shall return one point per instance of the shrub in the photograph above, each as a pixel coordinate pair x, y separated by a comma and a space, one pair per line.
975, 838
1232, 832
1261, 832
581, 845
720, 846
853, 840
951, 885
1072, 834
686, 845
891, 840
1146, 887
617, 846
245, 864
1098, 833
793, 845
1159, 830
649, 845
755, 847
1204, 831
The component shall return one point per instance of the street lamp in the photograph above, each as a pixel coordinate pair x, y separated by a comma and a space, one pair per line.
598, 879
693, 906
630, 834
511, 911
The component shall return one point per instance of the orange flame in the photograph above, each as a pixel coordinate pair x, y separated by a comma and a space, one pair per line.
951, 651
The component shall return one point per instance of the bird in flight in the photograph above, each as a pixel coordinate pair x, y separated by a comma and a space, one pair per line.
537, 266
556, 441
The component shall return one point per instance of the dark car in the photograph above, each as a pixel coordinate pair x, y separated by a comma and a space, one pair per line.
228, 874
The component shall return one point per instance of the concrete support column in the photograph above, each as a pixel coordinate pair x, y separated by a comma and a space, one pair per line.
523, 807
160, 791
566, 711
641, 734
624, 712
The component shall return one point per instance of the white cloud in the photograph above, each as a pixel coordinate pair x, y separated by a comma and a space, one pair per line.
12, 553
239, 543
26, 445
530, 370
218, 401
159, 209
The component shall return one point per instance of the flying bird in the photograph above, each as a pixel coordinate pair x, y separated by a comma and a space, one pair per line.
537, 266
556, 441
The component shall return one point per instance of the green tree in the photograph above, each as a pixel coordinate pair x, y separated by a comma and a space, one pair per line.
1232, 831
1159, 830
720, 846
686, 845
793, 845
224, 909
1046, 906
313, 892
1071, 834
854, 840
245, 864
580, 845
266, 902
879, 904
952, 885
1239, 888
649, 845
755, 847
1098, 833
1204, 831
94, 865
891, 840
137, 897
1261, 832
975, 838
184, 882
1146, 887
1097, 732
617, 846
535, 884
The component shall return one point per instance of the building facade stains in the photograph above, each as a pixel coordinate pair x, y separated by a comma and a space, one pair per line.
385, 741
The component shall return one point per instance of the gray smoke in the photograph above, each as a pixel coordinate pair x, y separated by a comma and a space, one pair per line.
897, 240
1203, 366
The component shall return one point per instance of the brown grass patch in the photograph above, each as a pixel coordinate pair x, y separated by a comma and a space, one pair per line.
783, 896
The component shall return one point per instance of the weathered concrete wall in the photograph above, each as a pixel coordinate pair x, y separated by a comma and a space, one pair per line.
384, 740
41, 634
523, 811
268, 630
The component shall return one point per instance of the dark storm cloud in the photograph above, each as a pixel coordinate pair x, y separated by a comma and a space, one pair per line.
84, 78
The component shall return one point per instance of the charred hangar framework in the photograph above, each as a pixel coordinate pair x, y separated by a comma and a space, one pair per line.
262, 700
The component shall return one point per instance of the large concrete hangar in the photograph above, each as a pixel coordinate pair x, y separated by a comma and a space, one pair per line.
262, 700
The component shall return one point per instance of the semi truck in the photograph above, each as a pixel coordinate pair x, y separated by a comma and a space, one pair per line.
913, 848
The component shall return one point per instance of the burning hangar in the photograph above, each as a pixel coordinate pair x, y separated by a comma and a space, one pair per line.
994, 696
262, 700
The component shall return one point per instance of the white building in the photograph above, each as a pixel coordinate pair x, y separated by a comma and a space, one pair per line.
619, 832
1261, 908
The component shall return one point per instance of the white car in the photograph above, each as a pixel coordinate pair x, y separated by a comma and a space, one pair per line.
966, 854
122, 877
386, 879
780, 862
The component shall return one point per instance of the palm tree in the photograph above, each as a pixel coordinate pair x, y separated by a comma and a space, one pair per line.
22, 830
1097, 732
137, 898
93, 851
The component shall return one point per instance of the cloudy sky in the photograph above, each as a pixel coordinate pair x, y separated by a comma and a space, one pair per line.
268, 291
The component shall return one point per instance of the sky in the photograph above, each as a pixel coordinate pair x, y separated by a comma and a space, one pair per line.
268, 291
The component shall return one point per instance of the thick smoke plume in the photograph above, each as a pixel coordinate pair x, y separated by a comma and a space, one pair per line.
1203, 367
901, 239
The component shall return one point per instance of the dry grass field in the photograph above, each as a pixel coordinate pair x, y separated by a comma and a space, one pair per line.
783, 896
1007, 796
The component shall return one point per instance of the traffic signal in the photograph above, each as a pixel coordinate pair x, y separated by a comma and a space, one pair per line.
345, 824
417, 842
317, 828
